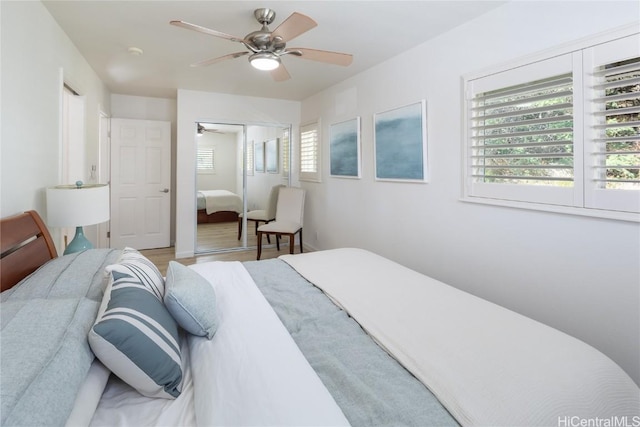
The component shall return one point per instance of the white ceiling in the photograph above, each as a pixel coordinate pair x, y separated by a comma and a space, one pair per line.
372, 31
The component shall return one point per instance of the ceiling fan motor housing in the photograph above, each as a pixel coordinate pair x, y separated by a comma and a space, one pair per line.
262, 40
264, 16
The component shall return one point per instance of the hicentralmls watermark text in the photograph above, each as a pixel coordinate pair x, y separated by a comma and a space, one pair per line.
576, 421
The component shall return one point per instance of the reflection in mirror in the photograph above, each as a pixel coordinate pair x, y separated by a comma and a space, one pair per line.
219, 180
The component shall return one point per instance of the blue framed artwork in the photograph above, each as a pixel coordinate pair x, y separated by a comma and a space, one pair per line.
401, 143
271, 155
258, 156
344, 145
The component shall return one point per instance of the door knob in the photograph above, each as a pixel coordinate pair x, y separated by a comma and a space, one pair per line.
166, 190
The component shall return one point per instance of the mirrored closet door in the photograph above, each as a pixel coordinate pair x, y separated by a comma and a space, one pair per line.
236, 162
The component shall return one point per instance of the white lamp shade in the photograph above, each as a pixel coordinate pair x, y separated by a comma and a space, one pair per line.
72, 206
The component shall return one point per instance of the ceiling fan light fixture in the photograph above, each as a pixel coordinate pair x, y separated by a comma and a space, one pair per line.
264, 61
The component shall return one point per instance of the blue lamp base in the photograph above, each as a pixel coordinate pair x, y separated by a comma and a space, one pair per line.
79, 243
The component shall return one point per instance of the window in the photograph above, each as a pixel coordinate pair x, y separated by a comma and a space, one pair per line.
310, 152
205, 160
612, 158
249, 165
561, 131
524, 134
285, 149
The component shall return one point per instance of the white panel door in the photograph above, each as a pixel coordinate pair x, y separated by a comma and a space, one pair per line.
140, 180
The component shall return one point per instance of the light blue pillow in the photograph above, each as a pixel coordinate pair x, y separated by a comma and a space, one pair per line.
191, 300
134, 264
137, 339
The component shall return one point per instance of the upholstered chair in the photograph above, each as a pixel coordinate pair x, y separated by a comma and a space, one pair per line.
289, 218
262, 215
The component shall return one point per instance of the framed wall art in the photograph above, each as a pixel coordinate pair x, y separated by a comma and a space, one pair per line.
271, 155
401, 143
344, 148
258, 156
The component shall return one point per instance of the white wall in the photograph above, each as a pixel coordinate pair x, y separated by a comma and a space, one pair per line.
225, 161
196, 106
259, 184
578, 274
147, 108
34, 51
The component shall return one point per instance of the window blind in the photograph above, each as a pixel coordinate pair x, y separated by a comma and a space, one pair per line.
310, 152
523, 134
204, 160
250, 151
617, 125
285, 151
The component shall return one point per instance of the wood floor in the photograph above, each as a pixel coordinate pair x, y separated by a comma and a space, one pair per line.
218, 236
222, 235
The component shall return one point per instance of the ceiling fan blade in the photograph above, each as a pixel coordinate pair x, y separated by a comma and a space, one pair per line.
280, 74
336, 58
218, 59
293, 26
209, 31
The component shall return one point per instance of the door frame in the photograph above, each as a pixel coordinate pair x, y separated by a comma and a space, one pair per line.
245, 125
104, 172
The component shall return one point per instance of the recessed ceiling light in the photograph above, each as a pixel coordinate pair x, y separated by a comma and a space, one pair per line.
135, 51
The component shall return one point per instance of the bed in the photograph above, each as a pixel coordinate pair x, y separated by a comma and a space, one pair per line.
218, 206
333, 337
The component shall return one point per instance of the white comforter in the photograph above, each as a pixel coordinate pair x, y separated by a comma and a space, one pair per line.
250, 373
486, 364
261, 377
221, 200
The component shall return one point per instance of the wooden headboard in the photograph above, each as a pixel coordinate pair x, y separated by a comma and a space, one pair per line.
25, 244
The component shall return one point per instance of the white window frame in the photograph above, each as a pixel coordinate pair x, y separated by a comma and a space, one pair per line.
307, 174
574, 200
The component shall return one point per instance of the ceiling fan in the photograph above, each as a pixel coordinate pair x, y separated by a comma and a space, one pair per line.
267, 47
202, 130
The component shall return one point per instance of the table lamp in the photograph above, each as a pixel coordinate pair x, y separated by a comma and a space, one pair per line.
76, 206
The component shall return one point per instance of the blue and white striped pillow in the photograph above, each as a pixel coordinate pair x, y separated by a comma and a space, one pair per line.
137, 339
135, 264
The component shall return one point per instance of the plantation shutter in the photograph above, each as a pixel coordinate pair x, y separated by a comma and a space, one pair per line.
285, 150
309, 153
524, 134
204, 160
250, 155
613, 160
521, 128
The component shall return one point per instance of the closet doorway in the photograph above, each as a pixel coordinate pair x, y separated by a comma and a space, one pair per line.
236, 167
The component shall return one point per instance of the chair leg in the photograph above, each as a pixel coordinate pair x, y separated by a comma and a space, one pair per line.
301, 241
268, 235
278, 241
292, 243
239, 228
259, 245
